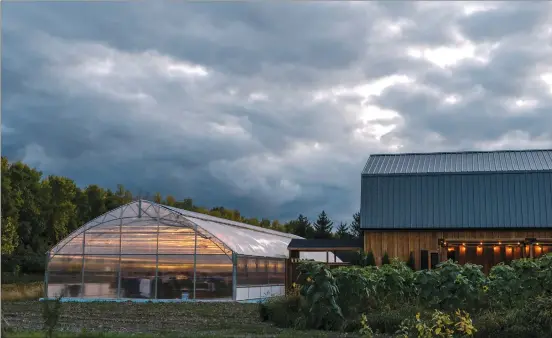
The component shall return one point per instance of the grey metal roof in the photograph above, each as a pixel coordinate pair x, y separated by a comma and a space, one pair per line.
450, 201
459, 162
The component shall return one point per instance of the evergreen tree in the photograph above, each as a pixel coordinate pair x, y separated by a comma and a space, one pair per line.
343, 231
385, 259
411, 261
370, 260
356, 232
300, 227
323, 226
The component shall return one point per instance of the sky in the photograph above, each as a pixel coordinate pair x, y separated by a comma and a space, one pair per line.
271, 108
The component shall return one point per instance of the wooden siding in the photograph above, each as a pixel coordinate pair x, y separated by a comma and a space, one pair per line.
400, 243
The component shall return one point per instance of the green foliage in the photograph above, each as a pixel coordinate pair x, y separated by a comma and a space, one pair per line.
342, 231
37, 212
505, 286
284, 311
51, 312
532, 318
356, 231
10, 238
365, 329
440, 324
300, 227
385, 259
323, 226
452, 286
388, 294
320, 292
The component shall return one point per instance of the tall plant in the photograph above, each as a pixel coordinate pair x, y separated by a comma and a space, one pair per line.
320, 291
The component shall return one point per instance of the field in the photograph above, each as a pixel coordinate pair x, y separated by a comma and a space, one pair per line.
122, 320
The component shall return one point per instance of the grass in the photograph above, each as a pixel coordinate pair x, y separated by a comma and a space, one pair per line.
171, 320
19, 292
283, 334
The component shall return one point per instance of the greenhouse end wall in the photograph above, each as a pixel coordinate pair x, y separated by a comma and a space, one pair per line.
148, 251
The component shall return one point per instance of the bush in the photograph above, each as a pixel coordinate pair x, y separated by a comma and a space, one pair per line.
389, 321
370, 259
511, 301
452, 286
284, 311
532, 320
385, 259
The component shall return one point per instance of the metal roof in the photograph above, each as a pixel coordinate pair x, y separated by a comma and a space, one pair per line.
324, 243
451, 201
459, 162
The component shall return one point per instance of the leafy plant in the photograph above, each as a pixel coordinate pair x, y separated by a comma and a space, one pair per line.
320, 292
357, 290
439, 325
504, 286
452, 286
365, 329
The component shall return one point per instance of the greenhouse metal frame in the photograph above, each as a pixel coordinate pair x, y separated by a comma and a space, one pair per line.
145, 250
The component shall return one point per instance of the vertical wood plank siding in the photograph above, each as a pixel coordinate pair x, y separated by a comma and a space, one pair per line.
401, 243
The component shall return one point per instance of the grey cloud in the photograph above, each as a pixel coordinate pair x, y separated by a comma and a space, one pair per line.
152, 132
510, 18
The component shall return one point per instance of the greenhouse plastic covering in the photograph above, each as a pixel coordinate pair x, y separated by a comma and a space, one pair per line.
242, 239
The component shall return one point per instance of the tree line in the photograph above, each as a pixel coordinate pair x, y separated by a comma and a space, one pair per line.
38, 212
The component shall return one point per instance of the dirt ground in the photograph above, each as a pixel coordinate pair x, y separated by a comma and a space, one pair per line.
190, 319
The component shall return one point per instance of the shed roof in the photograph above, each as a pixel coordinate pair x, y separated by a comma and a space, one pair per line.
459, 162
336, 244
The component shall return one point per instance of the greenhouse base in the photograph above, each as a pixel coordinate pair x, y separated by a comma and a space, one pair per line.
139, 300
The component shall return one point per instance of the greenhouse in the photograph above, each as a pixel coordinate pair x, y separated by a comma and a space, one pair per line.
145, 250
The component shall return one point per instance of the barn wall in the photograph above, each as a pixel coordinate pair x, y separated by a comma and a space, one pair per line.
399, 243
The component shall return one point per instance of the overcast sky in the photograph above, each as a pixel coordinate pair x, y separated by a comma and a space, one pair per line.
269, 108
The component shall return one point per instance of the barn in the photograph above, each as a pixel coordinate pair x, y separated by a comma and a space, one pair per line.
481, 207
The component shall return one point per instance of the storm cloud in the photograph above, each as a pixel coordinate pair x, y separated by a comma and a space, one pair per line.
270, 108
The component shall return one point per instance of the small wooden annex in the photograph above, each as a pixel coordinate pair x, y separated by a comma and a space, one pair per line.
478, 207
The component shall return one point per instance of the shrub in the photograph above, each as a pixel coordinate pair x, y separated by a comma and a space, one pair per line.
370, 259
533, 320
284, 311
389, 321
385, 259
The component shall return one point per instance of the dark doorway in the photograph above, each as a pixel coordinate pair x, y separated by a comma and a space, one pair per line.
434, 259
451, 254
424, 260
